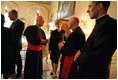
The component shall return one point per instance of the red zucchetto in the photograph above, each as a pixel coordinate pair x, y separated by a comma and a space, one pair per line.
76, 19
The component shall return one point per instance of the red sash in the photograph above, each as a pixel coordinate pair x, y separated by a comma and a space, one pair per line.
66, 67
34, 47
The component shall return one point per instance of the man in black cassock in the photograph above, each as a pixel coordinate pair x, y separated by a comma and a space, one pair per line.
36, 38
94, 58
17, 28
74, 42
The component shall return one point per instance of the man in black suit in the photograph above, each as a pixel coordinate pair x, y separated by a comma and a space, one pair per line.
95, 57
17, 28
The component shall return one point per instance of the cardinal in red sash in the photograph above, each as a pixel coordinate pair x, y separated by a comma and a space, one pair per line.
74, 43
36, 38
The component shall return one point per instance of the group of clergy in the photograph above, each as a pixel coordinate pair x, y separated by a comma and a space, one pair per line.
80, 58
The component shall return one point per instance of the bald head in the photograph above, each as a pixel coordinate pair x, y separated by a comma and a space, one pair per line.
39, 21
13, 15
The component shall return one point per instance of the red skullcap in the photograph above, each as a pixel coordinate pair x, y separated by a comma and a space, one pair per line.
76, 19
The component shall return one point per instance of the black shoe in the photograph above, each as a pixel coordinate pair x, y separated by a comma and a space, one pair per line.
6, 75
55, 76
17, 76
51, 73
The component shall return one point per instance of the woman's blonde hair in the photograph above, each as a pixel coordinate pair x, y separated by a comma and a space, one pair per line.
57, 21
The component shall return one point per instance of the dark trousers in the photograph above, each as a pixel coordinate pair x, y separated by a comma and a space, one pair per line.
18, 62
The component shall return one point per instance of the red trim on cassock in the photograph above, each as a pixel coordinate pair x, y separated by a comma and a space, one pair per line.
38, 66
66, 67
34, 47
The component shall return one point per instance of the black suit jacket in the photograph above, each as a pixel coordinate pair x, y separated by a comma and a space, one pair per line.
17, 30
97, 52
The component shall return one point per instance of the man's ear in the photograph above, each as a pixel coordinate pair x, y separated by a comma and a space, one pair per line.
100, 6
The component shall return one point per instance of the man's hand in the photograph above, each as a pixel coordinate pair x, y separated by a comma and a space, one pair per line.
77, 55
60, 58
44, 41
50, 52
60, 45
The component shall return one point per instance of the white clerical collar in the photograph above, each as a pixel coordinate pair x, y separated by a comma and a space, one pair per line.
71, 30
101, 16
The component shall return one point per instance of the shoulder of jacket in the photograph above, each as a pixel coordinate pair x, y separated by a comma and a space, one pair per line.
30, 27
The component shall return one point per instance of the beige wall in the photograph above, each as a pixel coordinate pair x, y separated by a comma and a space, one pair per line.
27, 10
54, 8
113, 9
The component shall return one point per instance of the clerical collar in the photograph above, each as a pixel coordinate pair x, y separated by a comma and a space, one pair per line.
74, 28
37, 26
102, 17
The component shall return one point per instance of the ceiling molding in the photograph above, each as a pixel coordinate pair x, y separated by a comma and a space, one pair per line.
41, 2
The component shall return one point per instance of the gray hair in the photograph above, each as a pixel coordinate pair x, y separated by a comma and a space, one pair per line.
14, 12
